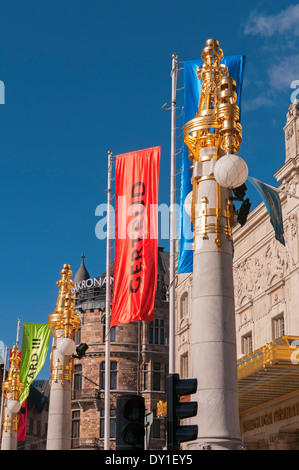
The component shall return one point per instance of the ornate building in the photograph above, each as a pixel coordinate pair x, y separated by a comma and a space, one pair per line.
138, 360
37, 416
266, 278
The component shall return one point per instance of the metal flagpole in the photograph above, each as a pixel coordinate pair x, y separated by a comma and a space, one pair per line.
107, 316
3, 380
18, 332
283, 192
172, 220
138, 356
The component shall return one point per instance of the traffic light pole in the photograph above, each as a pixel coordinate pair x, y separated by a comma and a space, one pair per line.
172, 443
176, 410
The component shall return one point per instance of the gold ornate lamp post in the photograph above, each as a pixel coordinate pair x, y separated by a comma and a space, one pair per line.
12, 389
214, 137
64, 323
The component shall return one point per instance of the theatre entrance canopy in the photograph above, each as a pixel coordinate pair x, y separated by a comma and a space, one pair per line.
269, 373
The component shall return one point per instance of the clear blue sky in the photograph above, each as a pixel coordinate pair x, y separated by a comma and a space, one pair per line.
85, 76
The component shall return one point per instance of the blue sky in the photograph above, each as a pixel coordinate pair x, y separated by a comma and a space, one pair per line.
85, 76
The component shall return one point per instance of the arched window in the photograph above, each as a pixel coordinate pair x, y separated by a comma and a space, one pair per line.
184, 305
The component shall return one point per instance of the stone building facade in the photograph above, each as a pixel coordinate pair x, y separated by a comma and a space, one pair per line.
138, 361
37, 416
266, 281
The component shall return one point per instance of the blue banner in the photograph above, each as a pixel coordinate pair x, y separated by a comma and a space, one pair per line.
272, 202
192, 90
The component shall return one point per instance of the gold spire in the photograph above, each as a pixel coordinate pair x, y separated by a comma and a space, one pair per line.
64, 318
214, 130
12, 387
217, 121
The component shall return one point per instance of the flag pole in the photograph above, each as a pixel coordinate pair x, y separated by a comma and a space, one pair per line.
107, 316
172, 220
283, 192
18, 332
2, 394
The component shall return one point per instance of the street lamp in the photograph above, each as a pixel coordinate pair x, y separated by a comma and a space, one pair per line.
213, 138
63, 323
12, 389
230, 171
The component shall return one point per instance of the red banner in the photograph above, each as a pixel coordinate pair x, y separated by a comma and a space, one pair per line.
136, 243
22, 427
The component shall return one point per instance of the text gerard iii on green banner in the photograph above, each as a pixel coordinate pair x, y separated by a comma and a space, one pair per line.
35, 343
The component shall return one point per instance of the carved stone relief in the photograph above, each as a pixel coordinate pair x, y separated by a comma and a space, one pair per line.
289, 132
255, 274
293, 223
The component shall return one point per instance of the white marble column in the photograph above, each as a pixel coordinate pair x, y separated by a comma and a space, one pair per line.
213, 335
10, 430
60, 413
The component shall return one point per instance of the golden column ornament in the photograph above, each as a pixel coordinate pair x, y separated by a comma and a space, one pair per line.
214, 135
12, 389
214, 131
63, 323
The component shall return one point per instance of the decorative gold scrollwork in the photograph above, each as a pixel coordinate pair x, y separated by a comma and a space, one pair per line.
62, 371
10, 424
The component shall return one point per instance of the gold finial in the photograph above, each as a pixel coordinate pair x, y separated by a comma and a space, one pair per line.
217, 120
228, 116
214, 130
64, 321
12, 387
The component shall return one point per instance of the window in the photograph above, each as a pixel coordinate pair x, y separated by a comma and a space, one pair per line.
112, 423
112, 333
30, 426
184, 305
38, 428
278, 326
77, 337
156, 332
247, 344
156, 376
113, 375
77, 377
75, 424
145, 377
184, 366
156, 428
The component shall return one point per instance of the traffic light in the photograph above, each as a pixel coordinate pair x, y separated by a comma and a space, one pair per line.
130, 413
177, 410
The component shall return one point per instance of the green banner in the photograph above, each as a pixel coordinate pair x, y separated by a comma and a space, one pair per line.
35, 343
